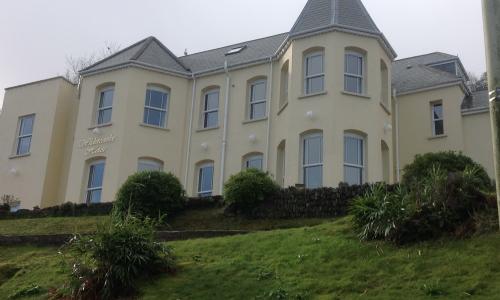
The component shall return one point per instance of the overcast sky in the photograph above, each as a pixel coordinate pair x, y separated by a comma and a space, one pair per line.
37, 36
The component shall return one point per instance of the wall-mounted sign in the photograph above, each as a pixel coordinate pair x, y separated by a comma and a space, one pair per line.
96, 145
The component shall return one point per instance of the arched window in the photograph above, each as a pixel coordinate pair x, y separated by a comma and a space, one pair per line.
105, 104
314, 71
385, 162
354, 159
284, 84
354, 69
312, 159
93, 190
210, 108
149, 164
253, 161
156, 106
205, 181
258, 99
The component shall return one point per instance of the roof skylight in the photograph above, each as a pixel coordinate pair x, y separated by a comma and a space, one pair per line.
236, 50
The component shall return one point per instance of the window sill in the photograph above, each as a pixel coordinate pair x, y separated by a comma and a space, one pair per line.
100, 126
313, 95
19, 156
153, 127
254, 121
207, 129
356, 95
385, 108
282, 108
437, 137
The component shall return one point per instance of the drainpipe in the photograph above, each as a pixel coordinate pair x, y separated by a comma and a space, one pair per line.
270, 96
224, 134
396, 108
491, 14
190, 133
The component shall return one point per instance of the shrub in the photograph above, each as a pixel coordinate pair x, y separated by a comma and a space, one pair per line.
379, 213
248, 189
150, 194
450, 161
437, 204
108, 264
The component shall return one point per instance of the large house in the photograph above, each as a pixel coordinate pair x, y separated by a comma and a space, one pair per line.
322, 104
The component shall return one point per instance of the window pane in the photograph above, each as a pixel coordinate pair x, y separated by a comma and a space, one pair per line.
314, 65
258, 91
205, 180
24, 145
353, 84
212, 101
104, 116
96, 174
106, 98
149, 165
354, 64
438, 111
313, 177
26, 125
258, 111
438, 127
254, 163
313, 150
157, 99
154, 117
94, 196
315, 85
211, 119
353, 150
353, 175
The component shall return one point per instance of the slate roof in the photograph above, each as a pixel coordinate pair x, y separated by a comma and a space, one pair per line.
148, 52
414, 73
317, 15
478, 100
324, 13
255, 50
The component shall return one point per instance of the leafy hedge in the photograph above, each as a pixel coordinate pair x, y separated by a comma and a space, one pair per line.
64, 210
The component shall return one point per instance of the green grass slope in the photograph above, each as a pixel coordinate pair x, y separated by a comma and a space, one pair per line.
326, 261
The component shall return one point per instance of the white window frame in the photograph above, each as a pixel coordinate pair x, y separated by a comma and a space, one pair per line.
156, 164
149, 108
361, 156
435, 120
305, 165
21, 136
285, 84
206, 111
308, 76
251, 157
253, 102
104, 108
360, 85
200, 192
89, 190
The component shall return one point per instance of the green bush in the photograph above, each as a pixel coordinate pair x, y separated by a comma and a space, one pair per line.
247, 189
150, 194
438, 203
108, 264
449, 161
379, 213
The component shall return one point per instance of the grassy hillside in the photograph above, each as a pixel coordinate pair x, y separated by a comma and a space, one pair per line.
321, 262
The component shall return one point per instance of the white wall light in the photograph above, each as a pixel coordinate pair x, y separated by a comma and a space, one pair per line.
311, 115
14, 172
204, 146
252, 138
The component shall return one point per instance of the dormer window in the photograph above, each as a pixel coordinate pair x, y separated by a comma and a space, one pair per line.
236, 50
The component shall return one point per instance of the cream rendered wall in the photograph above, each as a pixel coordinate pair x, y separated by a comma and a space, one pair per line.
477, 139
415, 131
132, 138
32, 184
334, 111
